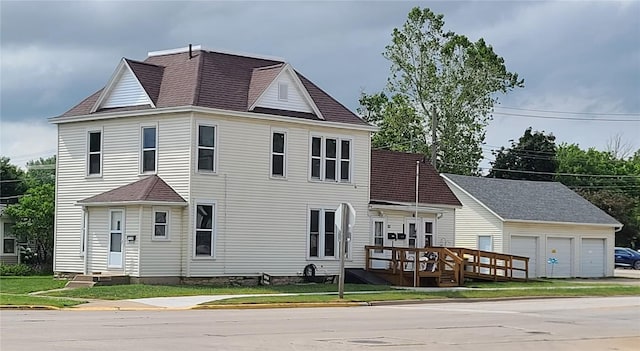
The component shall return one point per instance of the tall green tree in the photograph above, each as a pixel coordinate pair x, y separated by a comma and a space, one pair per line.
534, 155
41, 171
33, 216
400, 126
445, 73
607, 181
12, 184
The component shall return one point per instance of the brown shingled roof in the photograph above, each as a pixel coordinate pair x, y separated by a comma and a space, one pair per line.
150, 189
393, 179
216, 80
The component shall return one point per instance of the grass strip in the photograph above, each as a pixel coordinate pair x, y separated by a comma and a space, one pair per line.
459, 294
26, 300
25, 285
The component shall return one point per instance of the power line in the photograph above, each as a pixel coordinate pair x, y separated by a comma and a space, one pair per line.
547, 173
570, 113
504, 114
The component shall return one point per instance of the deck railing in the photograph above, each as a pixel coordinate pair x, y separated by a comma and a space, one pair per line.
443, 266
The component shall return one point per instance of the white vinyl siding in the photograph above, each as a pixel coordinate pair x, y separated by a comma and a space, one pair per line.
295, 101
396, 223
163, 258
257, 216
121, 166
556, 236
473, 219
126, 92
148, 149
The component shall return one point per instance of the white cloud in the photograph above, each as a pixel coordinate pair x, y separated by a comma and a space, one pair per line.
25, 141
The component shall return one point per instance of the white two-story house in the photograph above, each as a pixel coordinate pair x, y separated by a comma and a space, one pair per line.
200, 164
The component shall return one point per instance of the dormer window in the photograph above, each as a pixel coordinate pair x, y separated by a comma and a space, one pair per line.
283, 91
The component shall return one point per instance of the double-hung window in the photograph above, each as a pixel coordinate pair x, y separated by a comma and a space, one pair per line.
331, 159
278, 154
9, 241
206, 148
160, 225
428, 234
94, 156
149, 149
204, 231
322, 235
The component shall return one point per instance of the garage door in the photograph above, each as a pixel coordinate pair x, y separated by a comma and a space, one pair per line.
560, 249
525, 246
592, 258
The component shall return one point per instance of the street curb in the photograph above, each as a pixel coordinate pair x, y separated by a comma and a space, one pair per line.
28, 307
468, 300
254, 306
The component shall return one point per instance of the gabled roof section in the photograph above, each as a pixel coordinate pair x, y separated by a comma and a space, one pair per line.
216, 80
522, 200
261, 78
151, 189
298, 98
393, 179
125, 89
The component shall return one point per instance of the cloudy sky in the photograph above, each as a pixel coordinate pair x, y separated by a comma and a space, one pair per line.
580, 59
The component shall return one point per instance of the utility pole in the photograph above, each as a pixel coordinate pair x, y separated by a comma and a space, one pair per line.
434, 142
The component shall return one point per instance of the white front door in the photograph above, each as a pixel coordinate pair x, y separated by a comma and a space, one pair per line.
411, 232
116, 230
379, 237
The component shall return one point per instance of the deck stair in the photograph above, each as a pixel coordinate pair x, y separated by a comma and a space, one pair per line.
89, 280
443, 266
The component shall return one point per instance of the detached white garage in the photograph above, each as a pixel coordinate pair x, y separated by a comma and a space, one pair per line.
563, 234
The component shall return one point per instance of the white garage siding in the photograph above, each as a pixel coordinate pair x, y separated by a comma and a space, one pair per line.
592, 258
525, 246
560, 249
568, 241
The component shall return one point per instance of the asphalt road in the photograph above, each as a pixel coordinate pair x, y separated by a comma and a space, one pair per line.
545, 324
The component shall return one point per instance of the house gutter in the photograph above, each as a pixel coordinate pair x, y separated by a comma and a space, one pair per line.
207, 110
85, 238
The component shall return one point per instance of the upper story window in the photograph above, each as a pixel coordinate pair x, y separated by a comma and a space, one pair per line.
278, 154
94, 153
331, 159
206, 148
149, 149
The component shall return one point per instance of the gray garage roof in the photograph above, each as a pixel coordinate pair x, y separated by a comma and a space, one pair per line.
532, 201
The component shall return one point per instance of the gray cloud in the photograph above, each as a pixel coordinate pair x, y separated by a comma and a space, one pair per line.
574, 56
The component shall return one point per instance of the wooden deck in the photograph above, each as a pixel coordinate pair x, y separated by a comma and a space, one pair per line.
443, 266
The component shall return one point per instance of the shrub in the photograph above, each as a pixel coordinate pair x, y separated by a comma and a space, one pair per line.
16, 270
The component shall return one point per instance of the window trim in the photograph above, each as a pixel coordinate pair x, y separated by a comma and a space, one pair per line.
88, 153
285, 162
321, 235
375, 220
216, 147
9, 237
142, 149
323, 159
167, 224
433, 231
214, 229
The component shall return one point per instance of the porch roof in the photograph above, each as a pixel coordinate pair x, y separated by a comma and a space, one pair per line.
393, 179
151, 189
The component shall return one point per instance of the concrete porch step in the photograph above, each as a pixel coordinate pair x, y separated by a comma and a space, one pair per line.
79, 284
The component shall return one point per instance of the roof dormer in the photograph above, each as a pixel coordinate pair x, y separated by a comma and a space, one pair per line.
278, 87
125, 88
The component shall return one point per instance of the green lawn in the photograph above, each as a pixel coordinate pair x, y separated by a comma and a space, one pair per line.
460, 294
24, 285
136, 291
14, 290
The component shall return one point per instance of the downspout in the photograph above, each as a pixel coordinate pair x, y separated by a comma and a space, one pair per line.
85, 238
